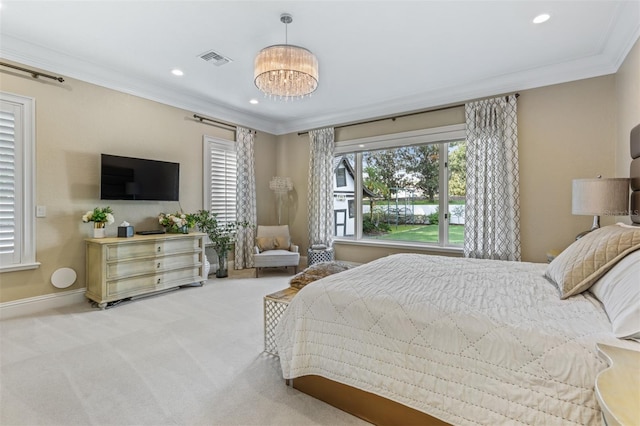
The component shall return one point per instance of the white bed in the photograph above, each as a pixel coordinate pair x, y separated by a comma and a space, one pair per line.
466, 341
415, 339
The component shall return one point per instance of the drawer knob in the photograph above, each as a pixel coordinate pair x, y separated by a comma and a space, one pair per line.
158, 264
158, 280
159, 249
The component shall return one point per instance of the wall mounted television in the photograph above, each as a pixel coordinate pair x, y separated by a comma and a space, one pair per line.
127, 178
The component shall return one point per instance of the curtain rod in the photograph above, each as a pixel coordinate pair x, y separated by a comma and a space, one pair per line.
34, 74
219, 124
393, 118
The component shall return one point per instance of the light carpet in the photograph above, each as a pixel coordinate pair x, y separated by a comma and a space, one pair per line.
188, 357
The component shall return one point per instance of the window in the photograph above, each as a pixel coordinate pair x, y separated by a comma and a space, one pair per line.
220, 178
17, 183
400, 183
341, 177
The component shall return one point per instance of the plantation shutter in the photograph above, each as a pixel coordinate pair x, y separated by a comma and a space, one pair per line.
9, 181
220, 187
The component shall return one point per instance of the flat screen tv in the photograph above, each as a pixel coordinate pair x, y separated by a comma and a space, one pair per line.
127, 178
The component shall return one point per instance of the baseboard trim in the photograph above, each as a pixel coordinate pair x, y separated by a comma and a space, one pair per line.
32, 305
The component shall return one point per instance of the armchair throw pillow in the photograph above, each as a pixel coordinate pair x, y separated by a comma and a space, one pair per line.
273, 243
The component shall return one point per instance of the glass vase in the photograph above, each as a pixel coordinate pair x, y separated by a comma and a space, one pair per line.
184, 229
222, 265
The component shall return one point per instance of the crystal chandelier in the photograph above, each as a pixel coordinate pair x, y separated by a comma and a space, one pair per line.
284, 70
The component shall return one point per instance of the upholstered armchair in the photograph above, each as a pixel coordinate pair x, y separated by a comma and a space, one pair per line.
274, 248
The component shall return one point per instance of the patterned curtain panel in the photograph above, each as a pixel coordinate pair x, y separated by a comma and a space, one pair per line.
492, 222
321, 187
246, 198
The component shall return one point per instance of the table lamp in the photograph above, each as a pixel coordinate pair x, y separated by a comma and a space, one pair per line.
600, 197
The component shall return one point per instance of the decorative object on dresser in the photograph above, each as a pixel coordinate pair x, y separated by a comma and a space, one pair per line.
599, 197
177, 222
100, 217
120, 269
125, 230
221, 234
274, 248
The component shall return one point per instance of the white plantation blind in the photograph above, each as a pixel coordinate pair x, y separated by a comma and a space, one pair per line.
220, 171
17, 182
8, 183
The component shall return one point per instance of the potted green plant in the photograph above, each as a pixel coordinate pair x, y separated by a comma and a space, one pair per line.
222, 235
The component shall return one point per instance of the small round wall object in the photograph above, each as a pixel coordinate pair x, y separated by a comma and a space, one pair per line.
63, 277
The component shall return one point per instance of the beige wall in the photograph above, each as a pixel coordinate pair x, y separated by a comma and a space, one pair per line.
576, 129
566, 131
75, 122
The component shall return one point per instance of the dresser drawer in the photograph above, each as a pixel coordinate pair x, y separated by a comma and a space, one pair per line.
152, 265
151, 248
142, 284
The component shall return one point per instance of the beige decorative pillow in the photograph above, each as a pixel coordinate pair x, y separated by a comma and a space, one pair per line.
266, 243
317, 271
283, 243
583, 262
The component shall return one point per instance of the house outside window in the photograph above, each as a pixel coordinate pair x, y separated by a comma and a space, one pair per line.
341, 177
17, 183
220, 171
412, 184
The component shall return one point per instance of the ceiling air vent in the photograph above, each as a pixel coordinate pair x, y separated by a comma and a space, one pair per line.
214, 58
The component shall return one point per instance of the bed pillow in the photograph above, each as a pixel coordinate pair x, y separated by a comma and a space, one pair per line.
619, 292
583, 262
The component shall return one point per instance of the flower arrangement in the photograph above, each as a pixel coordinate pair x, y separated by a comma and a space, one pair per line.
176, 222
100, 216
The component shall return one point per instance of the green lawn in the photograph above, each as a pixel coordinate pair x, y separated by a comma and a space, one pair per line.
421, 233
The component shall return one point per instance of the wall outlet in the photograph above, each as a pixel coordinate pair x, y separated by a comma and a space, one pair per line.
41, 211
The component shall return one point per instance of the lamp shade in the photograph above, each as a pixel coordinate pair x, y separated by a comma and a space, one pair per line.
286, 71
600, 197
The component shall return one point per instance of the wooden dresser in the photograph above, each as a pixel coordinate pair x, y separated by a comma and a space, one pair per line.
119, 268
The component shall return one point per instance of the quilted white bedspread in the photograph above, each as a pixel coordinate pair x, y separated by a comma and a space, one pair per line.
468, 341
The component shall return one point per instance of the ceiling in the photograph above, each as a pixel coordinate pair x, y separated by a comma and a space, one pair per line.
377, 58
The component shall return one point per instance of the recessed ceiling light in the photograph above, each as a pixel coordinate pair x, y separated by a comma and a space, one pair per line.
544, 17
177, 72
253, 101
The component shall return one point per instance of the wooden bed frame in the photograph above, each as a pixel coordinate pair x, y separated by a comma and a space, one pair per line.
365, 405
381, 411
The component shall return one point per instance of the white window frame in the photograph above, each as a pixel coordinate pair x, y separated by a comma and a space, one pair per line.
437, 135
24, 254
226, 171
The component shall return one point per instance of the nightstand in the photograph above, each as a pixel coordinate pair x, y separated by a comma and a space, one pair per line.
618, 387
